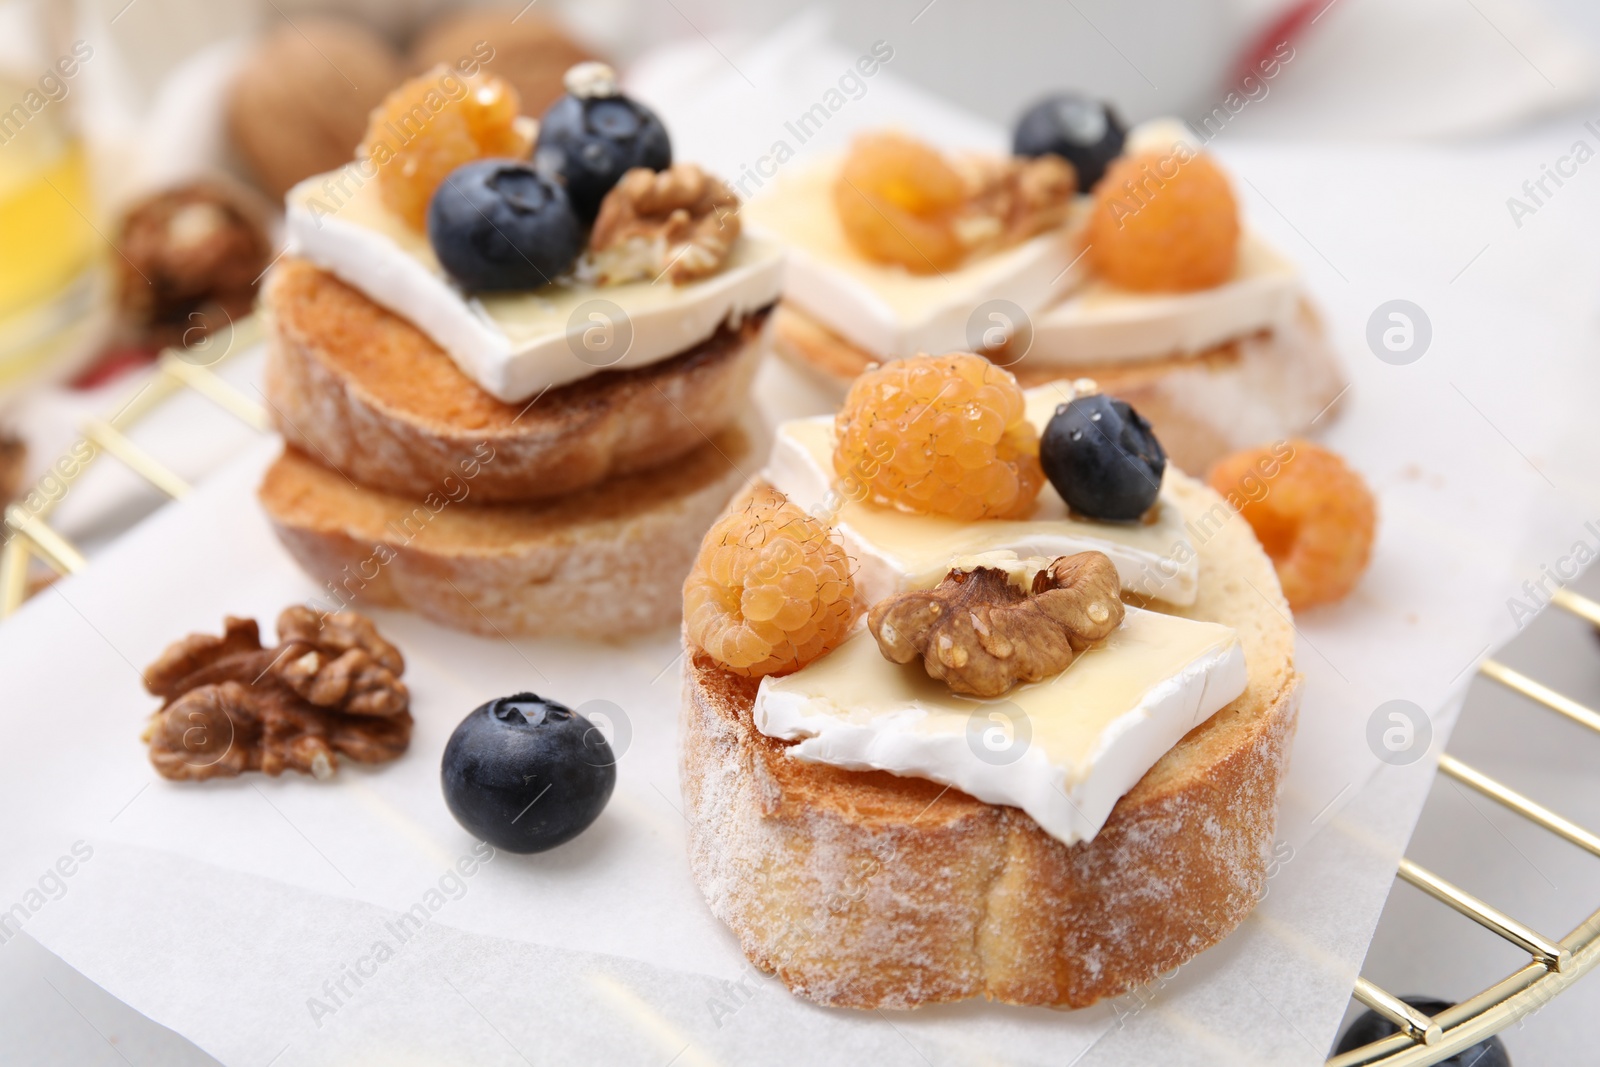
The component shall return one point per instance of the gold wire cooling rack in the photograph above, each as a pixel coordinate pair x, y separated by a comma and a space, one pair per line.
28, 532
1553, 965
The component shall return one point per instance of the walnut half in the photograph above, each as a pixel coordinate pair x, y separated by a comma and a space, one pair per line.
340, 662
1010, 200
680, 223
981, 634
331, 687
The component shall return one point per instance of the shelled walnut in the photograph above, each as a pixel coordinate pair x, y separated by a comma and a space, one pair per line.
680, 222
981, 633
340, 662
331, 686
1010, 200
902, 201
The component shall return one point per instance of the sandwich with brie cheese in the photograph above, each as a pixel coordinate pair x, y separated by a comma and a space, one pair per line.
510, 360
1092, 252
982, 698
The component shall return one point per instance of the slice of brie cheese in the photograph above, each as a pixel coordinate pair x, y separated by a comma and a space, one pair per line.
1077, 319
1101, 323
516, 344
896, 550
887, 310
1063, 750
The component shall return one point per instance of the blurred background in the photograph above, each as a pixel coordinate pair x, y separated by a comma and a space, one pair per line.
145, 146
107, 103
150, 141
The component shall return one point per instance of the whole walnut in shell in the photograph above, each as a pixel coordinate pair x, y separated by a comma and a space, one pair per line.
299, 104
522, 46
13, 463
191, 257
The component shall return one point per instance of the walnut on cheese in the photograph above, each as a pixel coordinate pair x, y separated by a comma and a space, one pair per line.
680, 223
981, 633
1012, 199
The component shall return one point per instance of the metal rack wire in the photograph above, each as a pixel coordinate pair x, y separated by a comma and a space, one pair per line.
1553, 964
29, 534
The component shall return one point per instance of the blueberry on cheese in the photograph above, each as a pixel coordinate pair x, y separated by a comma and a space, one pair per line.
1103, 458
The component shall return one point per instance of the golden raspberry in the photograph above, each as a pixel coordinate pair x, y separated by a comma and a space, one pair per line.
1164, 222
771, 590
431, 125
939, 435
1313, 515
898, 200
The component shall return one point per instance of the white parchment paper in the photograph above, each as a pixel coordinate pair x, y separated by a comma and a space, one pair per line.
227, 911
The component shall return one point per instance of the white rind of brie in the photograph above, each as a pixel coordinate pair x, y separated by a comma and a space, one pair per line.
895, 551
1063, 750
515, 344
1101, 323
1076, 318
887, 310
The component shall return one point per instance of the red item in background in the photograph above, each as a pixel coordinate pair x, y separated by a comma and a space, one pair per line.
113, 364
1288, 26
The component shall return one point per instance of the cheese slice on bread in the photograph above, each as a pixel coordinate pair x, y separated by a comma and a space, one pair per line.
367, 392
869, 890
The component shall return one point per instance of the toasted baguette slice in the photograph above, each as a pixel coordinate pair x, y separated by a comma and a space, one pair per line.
368, 393
867, 890
605, 562
1265, 387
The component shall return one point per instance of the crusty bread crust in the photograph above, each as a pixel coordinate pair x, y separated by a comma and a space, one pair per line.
368, 393
866, 890
604, 562
1266, 387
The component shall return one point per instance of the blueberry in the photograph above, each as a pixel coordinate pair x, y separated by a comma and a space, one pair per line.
1370, 1027
527, 774
498, 224
1103, 459
594, 135
1086, 133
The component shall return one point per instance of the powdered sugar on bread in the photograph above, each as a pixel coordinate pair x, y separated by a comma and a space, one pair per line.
870, 891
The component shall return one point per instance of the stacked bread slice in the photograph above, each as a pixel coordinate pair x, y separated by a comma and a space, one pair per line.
577, 511
1229, 356
1264, 385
